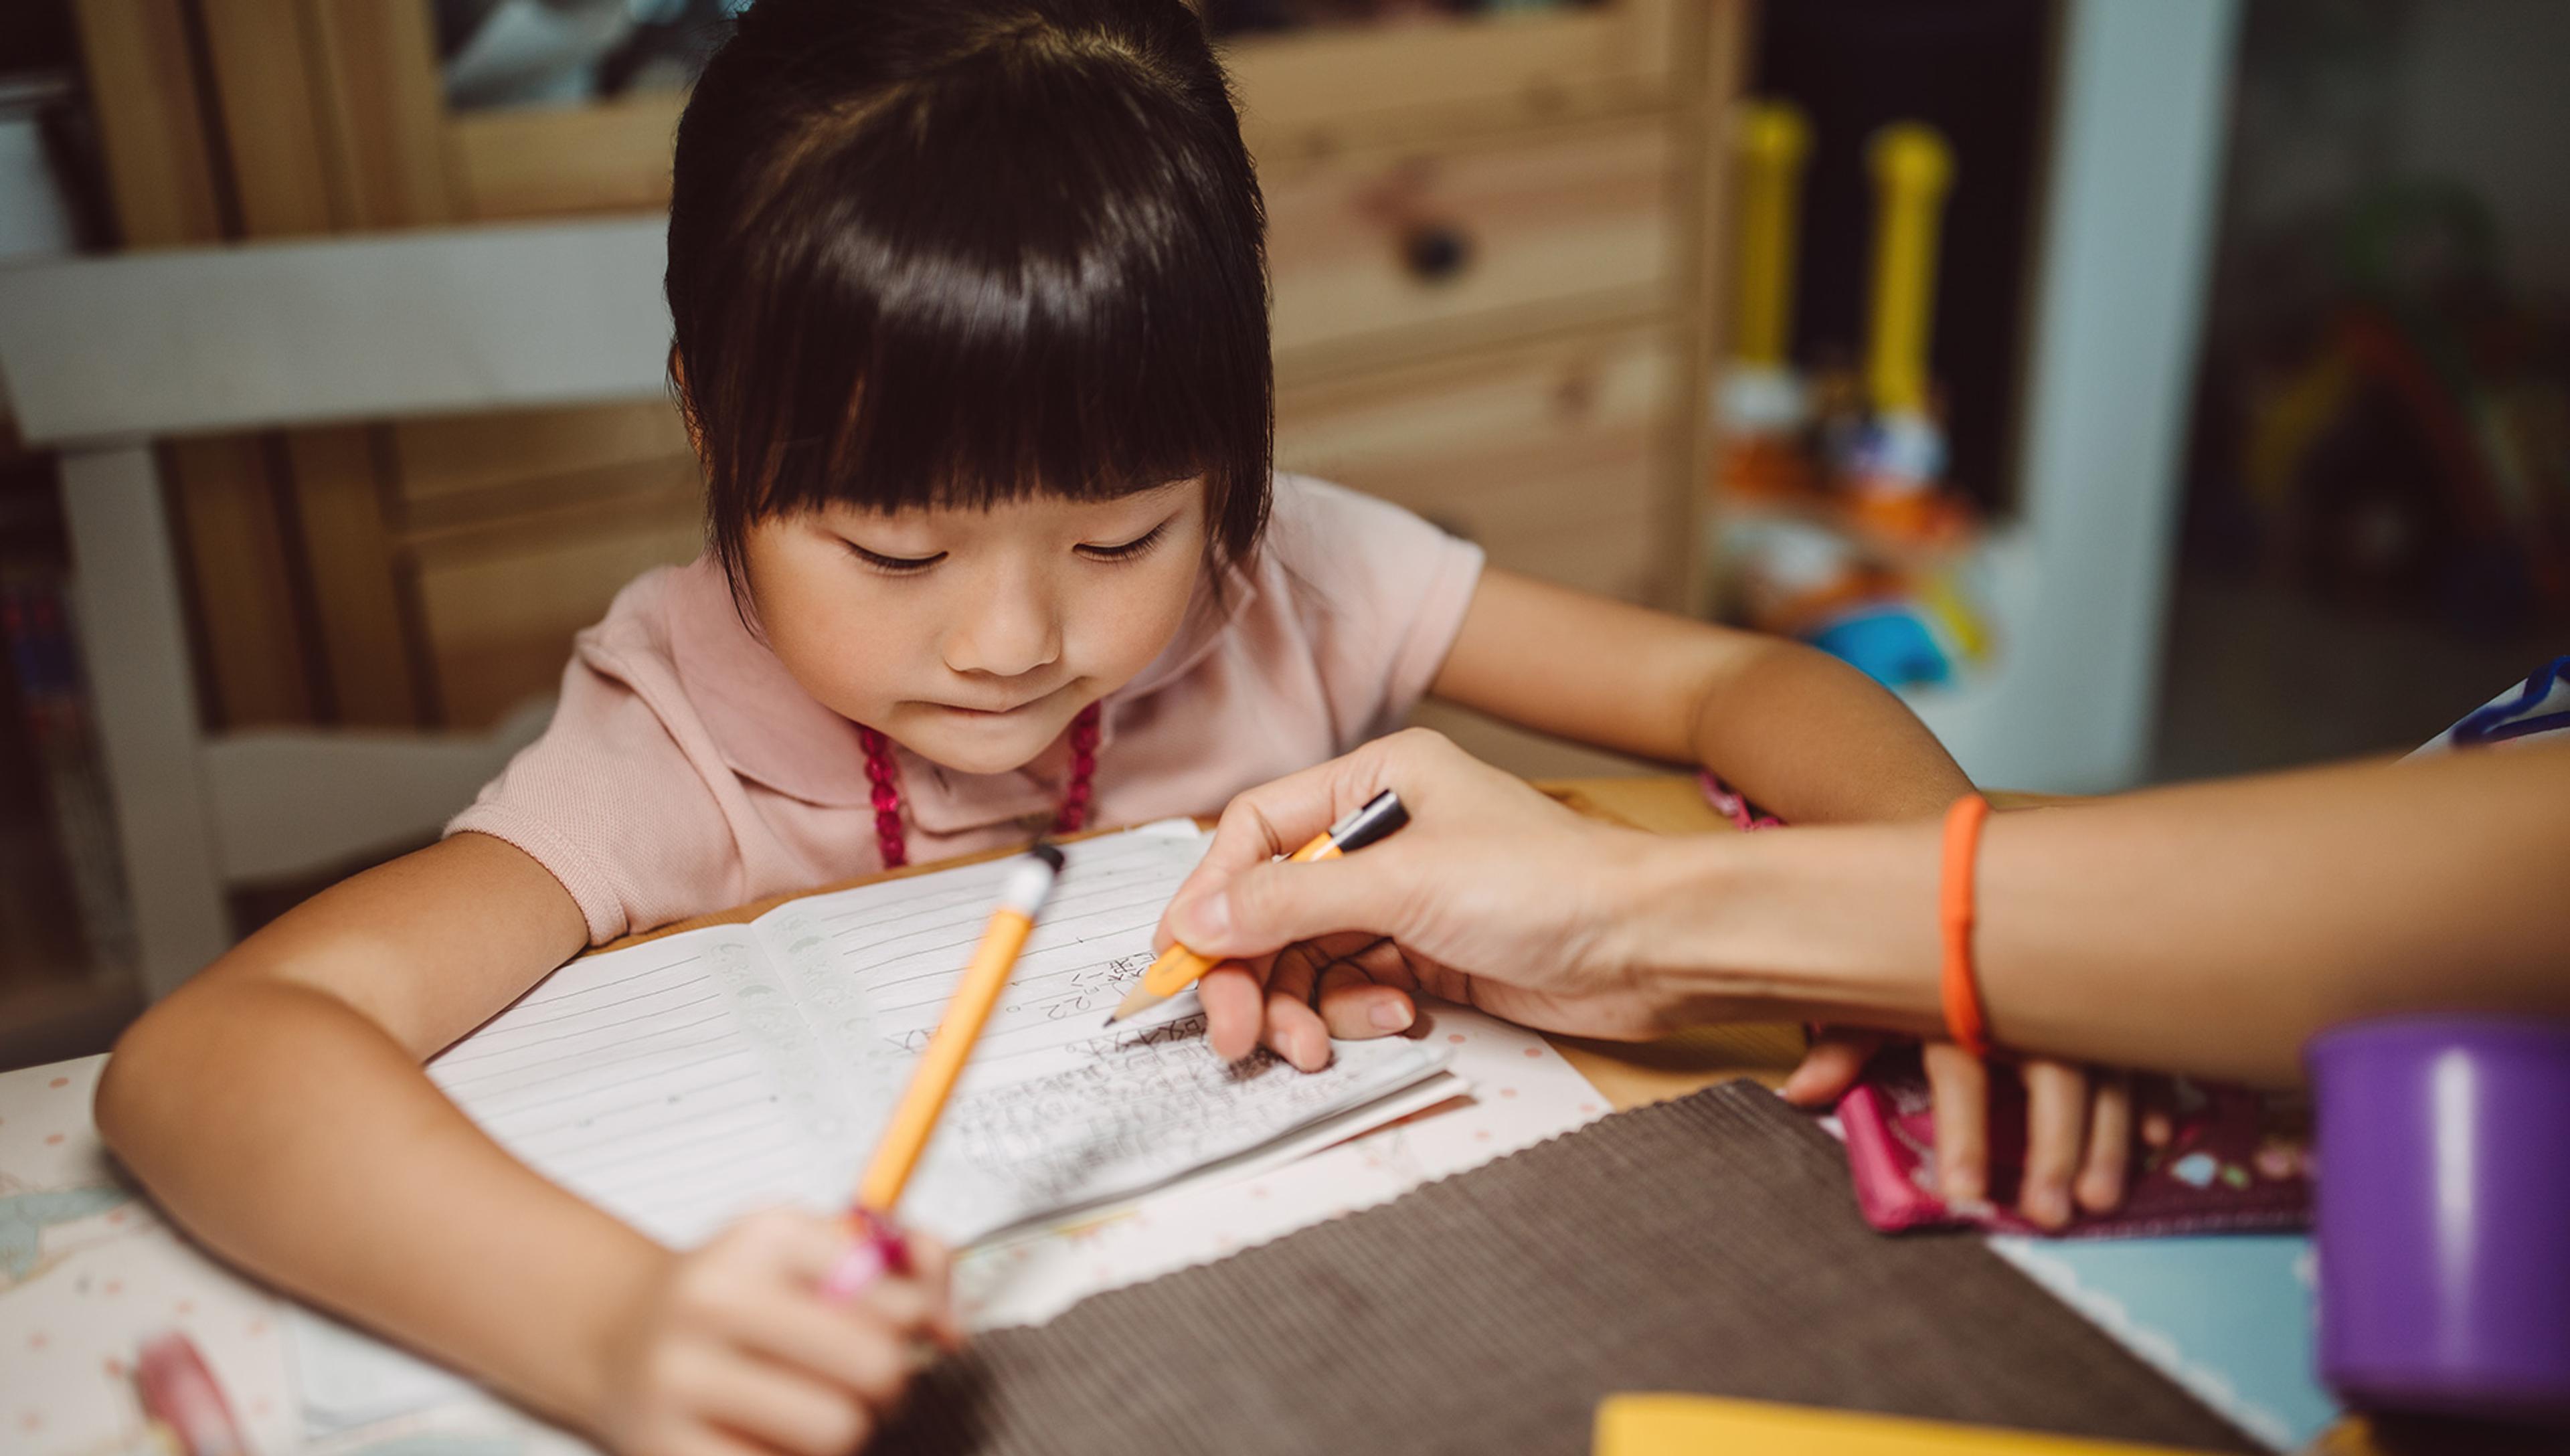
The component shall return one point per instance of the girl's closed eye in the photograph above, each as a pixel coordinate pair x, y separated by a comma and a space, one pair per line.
895, 565
1132, 549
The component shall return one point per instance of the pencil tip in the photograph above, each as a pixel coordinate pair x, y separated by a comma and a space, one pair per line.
1112, 1015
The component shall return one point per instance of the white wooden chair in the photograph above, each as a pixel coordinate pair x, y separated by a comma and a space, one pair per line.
102, 356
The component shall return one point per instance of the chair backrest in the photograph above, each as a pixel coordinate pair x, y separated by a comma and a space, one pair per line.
261, 335
100, 356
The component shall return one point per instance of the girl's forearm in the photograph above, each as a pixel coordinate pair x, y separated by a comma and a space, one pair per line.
2210, 929
300, 1140
1819, 742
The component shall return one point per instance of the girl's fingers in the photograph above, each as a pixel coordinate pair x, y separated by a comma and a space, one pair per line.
1958, 1089
771, 1404
2111, 1144
1293, 1031
1836, 1059
2056, 1127
695, 1439
848, 1346
770, 1246
901, 1305
933, 1266
2157, 1127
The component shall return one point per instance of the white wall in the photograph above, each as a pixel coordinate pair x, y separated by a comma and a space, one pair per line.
2118, 298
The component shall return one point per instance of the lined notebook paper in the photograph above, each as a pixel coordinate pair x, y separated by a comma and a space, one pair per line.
686, 1080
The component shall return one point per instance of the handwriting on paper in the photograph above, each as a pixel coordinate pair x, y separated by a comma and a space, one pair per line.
683, 1081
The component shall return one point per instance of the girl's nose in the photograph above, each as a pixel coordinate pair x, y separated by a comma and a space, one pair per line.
1005, 629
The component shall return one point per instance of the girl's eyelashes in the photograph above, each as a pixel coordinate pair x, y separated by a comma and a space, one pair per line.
895, 565
913, 565
1129, 550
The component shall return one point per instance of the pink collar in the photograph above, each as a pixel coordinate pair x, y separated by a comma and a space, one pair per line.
768, 729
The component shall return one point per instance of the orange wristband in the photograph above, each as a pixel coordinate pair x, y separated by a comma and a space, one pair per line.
1959, 989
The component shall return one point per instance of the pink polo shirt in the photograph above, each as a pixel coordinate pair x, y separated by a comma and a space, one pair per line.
685, 770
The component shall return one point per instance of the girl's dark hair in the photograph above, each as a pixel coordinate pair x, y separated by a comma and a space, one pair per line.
954, 252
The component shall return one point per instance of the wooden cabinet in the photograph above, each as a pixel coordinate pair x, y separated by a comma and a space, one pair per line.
1545, 453
1399, 251
1490, 239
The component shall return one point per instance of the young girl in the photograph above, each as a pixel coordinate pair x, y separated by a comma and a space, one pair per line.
972, 340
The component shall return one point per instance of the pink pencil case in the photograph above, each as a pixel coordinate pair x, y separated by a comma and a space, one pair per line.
2232, 1163
2229, 1165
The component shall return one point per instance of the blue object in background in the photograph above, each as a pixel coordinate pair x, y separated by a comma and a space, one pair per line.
2226, 1315
1886, 643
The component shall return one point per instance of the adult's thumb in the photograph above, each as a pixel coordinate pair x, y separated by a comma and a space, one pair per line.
1269, 906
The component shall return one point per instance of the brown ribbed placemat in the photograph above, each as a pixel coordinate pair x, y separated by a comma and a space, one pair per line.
1709, 1245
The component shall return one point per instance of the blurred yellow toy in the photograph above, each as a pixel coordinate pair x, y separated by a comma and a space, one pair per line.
1900, 457
1836, 528
1763, 404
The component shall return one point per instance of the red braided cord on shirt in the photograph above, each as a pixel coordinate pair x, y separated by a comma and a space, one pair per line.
883, 779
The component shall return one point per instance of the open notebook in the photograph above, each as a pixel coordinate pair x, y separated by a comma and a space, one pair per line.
689, 1079
686, 1080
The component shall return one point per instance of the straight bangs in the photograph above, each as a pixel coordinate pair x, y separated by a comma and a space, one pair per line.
1036, 269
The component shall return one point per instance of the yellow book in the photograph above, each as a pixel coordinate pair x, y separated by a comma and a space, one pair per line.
1686, 1425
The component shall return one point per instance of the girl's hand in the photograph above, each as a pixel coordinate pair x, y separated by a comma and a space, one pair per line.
2079, 1124
735, 1351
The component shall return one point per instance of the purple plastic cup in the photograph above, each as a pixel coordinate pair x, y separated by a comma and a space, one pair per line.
2444, 1215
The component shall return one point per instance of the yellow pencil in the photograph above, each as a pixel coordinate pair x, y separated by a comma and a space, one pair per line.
915, 1118
1179, 968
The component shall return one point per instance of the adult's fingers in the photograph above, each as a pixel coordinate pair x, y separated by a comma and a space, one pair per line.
2111, 1144
1357, 1007
1347, 1001
2056, 1126
1293, 1031
1273, 819
1958, 1089
1235, 1006
1267, 907
1835, 1058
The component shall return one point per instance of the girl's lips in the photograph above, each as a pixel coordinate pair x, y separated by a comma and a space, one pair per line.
971, 712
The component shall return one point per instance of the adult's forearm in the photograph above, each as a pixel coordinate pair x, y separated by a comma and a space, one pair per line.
2210, 929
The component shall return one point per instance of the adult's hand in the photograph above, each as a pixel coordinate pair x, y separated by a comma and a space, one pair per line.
1494, 896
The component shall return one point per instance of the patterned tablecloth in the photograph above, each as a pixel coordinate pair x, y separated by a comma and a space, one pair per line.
88, 1271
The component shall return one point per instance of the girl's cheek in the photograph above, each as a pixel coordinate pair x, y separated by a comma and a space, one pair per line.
1155, 617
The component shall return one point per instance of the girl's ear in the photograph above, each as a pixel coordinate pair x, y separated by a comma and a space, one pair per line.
687, 408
